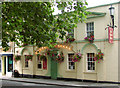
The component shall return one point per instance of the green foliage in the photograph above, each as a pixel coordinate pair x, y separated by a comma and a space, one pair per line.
17, 58
28, 57
60, 57
42, 57
34, 23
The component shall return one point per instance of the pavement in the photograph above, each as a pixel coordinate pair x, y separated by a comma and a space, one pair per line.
60, 82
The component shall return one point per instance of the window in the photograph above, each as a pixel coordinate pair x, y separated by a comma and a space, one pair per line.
39, 65
71, 33
10, 64
71, 65
90, 62
26, 62
90, 29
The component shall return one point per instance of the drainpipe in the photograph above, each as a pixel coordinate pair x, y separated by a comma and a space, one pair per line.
13, 55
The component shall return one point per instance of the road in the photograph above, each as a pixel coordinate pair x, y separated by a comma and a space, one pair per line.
14, 84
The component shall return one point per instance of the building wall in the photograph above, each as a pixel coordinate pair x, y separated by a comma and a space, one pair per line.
119, 40
32, 66
106, 70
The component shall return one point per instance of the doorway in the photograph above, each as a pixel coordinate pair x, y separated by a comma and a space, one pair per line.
53, 69
4, 65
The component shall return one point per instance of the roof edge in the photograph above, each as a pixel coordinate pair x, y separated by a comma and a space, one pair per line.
98, 14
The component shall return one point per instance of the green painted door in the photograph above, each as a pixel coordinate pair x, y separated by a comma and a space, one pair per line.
53, 68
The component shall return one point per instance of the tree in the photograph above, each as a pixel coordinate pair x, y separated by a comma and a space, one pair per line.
34, 23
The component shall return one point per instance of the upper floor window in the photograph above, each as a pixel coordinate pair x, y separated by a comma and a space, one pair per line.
90, 62
90, 28
71, 33
71, 65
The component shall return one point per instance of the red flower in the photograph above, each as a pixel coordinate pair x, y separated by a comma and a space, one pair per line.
53, 55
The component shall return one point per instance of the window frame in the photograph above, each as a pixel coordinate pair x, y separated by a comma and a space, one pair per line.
90, 61
25, 62
68, 62
89, 28
38, 63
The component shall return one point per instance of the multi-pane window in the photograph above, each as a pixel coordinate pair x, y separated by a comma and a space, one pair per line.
71, 33
90, 62
26, 62
90, 28
39, 63
71, 65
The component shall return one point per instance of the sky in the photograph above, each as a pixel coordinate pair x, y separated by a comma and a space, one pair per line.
92, 3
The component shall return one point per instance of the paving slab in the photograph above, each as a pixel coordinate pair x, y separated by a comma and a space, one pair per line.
59, 82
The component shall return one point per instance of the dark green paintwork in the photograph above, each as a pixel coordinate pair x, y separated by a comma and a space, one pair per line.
53, 69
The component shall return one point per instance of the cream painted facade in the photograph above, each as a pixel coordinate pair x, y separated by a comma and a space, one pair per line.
106, 70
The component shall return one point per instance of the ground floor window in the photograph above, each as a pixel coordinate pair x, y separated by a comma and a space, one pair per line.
71, 65
39, 62
90, 62
26, 62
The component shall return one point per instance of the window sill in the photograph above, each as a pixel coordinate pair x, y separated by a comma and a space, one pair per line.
39, 69
90, 72
71, 70
26, 68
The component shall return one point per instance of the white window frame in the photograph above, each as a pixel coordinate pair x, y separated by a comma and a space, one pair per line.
38, 63
90, 61
68, 62
89, 28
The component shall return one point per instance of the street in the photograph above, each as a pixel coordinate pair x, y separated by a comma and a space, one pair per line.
14, 84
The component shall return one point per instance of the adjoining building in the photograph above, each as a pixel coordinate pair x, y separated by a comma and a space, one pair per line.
6, 61
87, 68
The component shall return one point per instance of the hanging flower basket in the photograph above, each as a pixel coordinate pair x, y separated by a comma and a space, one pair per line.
77, 57
17, 58
29, 57
99, 56
90, 38
42, 57
60, 58
51, 52
38, 55
69, 39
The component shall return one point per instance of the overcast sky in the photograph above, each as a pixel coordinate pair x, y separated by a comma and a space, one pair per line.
92, 3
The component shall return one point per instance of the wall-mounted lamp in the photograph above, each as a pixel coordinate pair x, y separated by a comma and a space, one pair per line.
112, 15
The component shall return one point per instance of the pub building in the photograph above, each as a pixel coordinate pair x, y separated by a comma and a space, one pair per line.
91, 54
